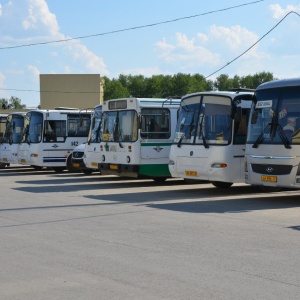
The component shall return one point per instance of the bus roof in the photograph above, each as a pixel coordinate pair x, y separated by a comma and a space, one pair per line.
279, 83
231, 94
166, 101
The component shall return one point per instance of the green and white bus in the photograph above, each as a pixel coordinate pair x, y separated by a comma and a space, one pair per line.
137, 134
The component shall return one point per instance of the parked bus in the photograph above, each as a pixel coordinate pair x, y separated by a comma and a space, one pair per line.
11, 141
2, 130
136, 137
273, 142
210, 137
86, 156
49, 136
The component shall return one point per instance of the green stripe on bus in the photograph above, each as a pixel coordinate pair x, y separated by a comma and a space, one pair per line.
155, 170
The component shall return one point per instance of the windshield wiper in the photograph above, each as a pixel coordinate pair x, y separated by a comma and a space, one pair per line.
273, 127
261, 136
283, 137
201, 132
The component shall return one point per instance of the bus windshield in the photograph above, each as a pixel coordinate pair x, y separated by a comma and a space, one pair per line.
14, 127
204, 120
32, 132
120, 126
95, 131
275, 117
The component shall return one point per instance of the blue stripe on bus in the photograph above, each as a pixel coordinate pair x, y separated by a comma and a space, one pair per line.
48, 159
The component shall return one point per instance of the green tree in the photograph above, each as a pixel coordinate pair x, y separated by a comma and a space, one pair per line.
114, 89
12, 103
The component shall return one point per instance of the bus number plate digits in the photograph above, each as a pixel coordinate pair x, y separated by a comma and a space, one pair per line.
5, 159
23, 161
94, 164
114, 167
269, 178
191, 173
74, 143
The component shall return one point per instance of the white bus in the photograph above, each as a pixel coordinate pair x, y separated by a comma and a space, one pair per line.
49, 136
210, 137
273, 142
91, 157
137, 134
11, 141
2, 130
3, 118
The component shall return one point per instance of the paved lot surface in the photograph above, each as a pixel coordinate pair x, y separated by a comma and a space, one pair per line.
71, 236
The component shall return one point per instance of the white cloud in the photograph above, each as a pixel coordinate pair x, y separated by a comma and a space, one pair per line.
35, 72
0, 10
39, 17
186, 51
236, 39
92, 62
213, 49
278, 12
40, 25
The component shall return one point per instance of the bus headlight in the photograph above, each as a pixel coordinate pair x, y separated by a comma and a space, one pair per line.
219, 165
103, 158
128, 159
34, 155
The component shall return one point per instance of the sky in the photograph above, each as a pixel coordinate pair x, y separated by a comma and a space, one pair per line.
142, 37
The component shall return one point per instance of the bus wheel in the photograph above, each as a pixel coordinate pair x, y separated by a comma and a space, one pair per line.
221, 184
37, 168
270, 189
3, 165
70, 168
58, 169
159, 179
87, 171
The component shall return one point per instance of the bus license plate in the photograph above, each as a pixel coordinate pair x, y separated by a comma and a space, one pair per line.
23, 161
75, 165
269, 178
5, 159
191, 173
94, 164
114, 167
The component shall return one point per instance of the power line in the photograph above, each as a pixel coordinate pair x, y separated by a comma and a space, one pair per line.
227, 64
131, 28
291, 12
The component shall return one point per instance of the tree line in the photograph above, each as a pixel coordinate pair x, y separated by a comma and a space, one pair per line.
163, 86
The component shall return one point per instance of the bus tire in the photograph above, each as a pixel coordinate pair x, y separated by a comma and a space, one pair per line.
37, 168
159, 179
3, 165
270, 189
70, 168
87, 171
221, 184
58, 169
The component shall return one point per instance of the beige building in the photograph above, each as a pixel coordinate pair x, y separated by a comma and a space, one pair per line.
71, 90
